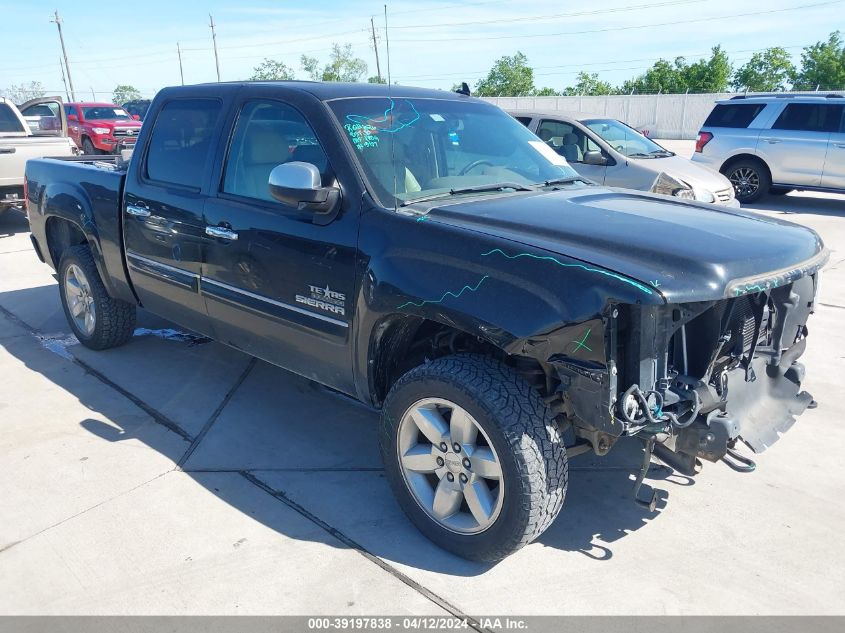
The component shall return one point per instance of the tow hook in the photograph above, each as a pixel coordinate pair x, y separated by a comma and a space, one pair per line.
740, 463
651, 504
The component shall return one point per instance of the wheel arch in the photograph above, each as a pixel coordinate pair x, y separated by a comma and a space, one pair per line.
744, 156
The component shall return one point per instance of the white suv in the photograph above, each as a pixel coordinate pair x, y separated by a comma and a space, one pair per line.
775, 144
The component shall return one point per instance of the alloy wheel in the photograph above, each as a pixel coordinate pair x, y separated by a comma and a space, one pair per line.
745, 180
80, 300
450, 466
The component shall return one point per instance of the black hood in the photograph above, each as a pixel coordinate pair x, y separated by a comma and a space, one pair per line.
689, 252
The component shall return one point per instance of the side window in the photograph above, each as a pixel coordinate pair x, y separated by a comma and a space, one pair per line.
566, 139
181, 141
525, 120
267, 134
734, 115
809, 117
8, 121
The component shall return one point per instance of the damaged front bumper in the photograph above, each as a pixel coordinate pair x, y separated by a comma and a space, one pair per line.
693, 380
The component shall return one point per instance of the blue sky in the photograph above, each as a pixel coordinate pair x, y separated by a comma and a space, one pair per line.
434, 43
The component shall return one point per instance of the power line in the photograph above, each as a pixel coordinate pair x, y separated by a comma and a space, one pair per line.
626, 28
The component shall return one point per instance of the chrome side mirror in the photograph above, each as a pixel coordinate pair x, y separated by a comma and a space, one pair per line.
594, 157
299, 185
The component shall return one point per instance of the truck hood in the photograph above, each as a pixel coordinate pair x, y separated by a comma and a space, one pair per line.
687, 251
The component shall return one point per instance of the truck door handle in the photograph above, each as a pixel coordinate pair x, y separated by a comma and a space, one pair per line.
773, 141
138, 212
8, 150
840, 145
221, 232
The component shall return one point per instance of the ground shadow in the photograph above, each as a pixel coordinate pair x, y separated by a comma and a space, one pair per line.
12, 222
797, 204
598, 511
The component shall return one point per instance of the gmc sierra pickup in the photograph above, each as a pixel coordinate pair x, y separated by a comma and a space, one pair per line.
425, 253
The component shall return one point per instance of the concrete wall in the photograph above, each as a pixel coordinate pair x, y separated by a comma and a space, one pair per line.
673, 116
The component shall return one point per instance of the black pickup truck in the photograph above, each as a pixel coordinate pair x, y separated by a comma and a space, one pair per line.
426, 254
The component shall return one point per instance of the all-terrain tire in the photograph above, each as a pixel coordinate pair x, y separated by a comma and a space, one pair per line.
114, 322
88, 147
521, 429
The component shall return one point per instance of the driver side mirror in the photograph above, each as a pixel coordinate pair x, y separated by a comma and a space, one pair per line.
72, 117
594, 157
299, 185
136, 117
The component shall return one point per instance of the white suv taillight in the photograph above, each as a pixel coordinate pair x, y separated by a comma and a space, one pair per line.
701, 140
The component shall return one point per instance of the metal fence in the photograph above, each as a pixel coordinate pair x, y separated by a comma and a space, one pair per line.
669, 116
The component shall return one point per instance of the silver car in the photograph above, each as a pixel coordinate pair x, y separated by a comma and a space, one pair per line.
614, 154
775, 144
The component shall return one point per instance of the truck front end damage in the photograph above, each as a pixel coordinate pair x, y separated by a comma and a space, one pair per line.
692, 380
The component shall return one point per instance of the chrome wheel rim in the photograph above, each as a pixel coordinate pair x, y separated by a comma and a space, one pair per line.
450, 466
745, 180
80, 301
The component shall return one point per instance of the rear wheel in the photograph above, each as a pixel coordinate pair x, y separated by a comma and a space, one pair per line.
473, 456
750, 179
97, 320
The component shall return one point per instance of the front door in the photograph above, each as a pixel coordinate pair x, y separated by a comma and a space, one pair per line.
572, 143
164, 231
277, 285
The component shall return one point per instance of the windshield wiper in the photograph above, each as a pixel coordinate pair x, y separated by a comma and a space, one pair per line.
496, 186
567, 180
661, 152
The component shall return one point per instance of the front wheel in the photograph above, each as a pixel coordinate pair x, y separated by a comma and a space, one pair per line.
88, 147
97, 320
473, 455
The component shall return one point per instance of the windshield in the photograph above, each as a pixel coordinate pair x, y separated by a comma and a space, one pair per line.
418, 148
102, 113
626, 140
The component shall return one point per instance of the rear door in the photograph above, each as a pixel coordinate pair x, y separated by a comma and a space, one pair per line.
796, 145
834, 164
280, 287
164, 231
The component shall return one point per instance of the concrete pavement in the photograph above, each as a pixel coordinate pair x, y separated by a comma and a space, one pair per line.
176, 476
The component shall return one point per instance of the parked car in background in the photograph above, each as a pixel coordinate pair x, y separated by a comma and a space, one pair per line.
101, 128
775, 144
615, 154
22, 139
137, 109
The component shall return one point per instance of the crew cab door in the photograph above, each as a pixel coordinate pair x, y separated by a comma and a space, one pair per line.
277, 285
163, 226
834, 164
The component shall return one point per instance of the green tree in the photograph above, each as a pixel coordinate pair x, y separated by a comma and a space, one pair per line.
510, 76
23, 92
823, 65
342, 65
588, 84
124, 92
376, 80
663, 76
771, 70
271, 70
546, 92
709, 75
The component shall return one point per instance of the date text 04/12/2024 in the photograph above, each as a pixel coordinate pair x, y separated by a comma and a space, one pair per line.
422, 623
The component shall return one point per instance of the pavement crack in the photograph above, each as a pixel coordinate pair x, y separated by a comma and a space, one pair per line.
343, 538
216, 414
9, 546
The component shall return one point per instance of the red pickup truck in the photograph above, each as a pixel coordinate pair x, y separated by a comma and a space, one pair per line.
101, 128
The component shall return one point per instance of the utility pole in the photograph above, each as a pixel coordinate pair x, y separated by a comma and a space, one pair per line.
181, 74
64, 81
58, 22
375, 48
93, 94
214, 41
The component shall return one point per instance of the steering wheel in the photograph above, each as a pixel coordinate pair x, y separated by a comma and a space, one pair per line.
473, 165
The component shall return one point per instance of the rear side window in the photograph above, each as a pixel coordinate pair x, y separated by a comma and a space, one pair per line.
181, 141
809, 117
8, 121
736, 115
525, 120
